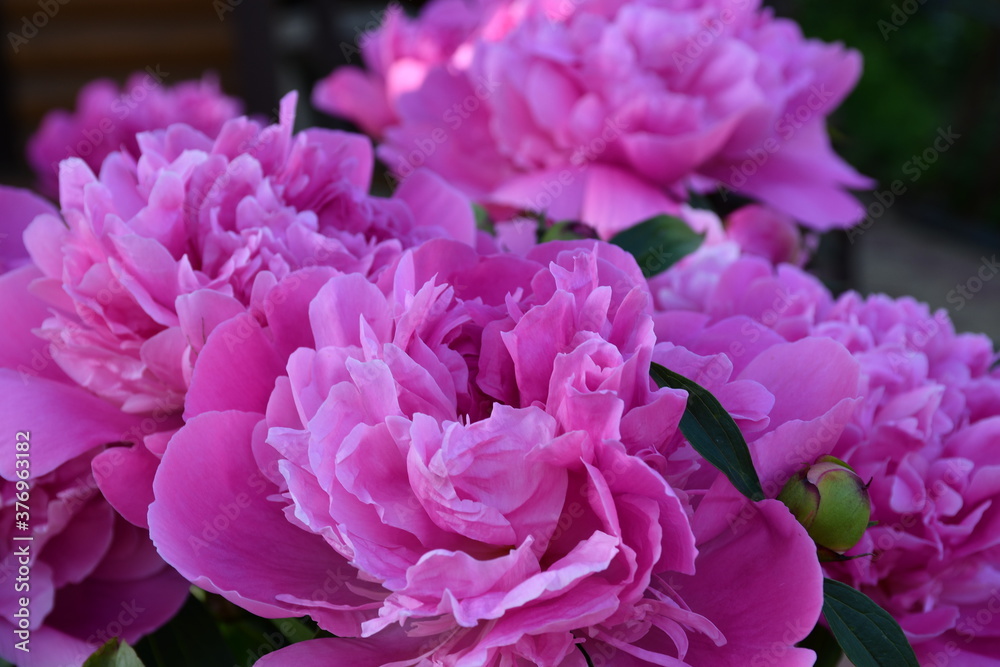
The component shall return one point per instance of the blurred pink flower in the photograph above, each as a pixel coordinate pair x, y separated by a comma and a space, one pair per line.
446, 464
108, 119
19, 208
925, 433
607, 111
764, 232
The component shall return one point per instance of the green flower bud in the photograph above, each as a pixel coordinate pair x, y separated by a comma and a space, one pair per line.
831, 501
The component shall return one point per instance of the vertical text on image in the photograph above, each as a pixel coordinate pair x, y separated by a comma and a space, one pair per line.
23, 537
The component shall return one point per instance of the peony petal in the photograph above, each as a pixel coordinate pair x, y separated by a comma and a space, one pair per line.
210, 521
19, 208
81, 423
222, 378
762, 604
807, 378
125, 477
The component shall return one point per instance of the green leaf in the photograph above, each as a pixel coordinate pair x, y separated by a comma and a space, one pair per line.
251, 638
294, 630
114, 654
869, 636
483, 221
699, 201
560, 231
658, 243
191, 638
713, 433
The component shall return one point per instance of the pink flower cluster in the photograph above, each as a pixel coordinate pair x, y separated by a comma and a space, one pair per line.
925, 434
84, 574
237, 369
109, 119
459, 463
436, 450
116, 294
606, 111
149, 255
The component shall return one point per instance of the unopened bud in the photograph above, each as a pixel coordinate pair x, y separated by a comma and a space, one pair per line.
831, 501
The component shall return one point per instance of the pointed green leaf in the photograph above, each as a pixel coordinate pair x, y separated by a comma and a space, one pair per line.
713, 433
869, 636
658, 243
114, 654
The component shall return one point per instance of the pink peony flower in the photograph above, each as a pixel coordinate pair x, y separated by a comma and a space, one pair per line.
150, 255
109, 119
607, 111
922, 434
448, 465
399, 58
87, 575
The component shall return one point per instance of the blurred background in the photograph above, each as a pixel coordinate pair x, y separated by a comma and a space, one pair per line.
932, 69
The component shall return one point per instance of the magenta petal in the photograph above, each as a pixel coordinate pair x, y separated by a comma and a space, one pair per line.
22, 350
434, 203
125, 477
48, 647
42, 238
235, 371
807, 377
385, 648
201, 311
615, 200
215, 523
778, 454
94, 605
81, 422
351, 93
757, 580
558, 193
79, 548
19, 208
